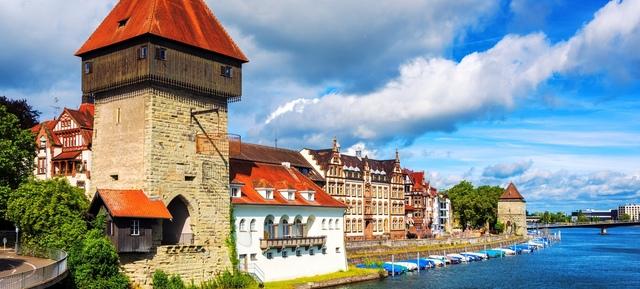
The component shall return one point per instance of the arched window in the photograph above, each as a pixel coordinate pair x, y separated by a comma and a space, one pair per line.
324, 224
331, 224
286, 230
269, 229
386, 225
252, 225
243, 226
337, 224
297, 227
348, 226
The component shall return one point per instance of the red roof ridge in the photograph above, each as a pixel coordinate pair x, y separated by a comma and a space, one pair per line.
511, 193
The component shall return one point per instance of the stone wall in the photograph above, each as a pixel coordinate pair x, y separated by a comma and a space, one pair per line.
151, 145
513, 215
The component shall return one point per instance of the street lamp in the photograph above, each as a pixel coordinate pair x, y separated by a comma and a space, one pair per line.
17, 241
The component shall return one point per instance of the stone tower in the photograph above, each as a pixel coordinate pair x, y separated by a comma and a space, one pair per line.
161, 73
512, 210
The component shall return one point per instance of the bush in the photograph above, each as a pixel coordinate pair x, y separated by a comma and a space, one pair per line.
226, 280
94, 263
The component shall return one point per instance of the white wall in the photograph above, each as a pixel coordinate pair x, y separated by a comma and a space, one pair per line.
279, 268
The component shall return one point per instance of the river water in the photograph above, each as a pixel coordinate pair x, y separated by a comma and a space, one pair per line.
583, 259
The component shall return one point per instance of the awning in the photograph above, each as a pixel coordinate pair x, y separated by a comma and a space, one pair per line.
67, 155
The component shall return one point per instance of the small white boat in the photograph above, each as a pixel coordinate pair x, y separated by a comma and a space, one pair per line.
409, 266
438, 262
462, 258
507, 252
481, 255
535, 244
441, 258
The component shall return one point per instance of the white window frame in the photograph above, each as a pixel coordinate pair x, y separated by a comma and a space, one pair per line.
135, 228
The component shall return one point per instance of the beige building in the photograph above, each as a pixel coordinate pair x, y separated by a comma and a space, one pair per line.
372, 189
633, 210
160, 73
512, 210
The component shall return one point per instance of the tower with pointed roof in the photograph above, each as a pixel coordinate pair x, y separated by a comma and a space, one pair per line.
161, 73
512, 210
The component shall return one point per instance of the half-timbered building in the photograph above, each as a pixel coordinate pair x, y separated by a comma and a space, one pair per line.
373, 191
63, 146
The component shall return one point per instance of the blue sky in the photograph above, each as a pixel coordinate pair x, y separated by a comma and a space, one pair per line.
541, 93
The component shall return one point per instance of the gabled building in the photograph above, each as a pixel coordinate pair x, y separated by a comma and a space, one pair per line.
64, 146
512, 210
416, 197
372, 189
286, 225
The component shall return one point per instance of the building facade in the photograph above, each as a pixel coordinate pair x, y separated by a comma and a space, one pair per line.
160, 74
286, 226
633, 210
512, 210
373, 191
442, 216
63, 147
418, 204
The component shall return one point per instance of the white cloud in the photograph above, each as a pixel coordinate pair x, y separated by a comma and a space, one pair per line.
437, 94
507, 170
363, 149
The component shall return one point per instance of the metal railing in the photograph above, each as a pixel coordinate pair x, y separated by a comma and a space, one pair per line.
39, 276
254, 270
292, 242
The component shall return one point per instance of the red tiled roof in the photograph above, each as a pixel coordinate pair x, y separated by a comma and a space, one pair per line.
83, 115
186, 21
129, 204
271, 155
511, 193
67, 155
263, 175
324, 156
409, 208
418, 180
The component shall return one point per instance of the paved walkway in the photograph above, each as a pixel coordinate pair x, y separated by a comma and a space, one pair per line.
10, 263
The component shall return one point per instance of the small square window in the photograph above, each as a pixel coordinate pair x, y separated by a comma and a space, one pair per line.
285, 254
269, 255
142, 52
254, 257
226, 71
298, 252
88, 67
161, 53
338, 250
312, 252
324, 251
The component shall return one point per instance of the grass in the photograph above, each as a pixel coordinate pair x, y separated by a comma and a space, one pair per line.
290, 284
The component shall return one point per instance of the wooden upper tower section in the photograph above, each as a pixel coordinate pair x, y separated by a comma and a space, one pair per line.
178, 43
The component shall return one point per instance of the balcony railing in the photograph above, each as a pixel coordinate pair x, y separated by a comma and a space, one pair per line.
293, 242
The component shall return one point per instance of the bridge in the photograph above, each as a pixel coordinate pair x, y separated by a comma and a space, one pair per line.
603, 226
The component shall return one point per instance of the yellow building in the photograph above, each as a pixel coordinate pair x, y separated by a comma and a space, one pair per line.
512, 210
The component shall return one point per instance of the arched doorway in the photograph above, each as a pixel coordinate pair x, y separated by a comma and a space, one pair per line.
177, 230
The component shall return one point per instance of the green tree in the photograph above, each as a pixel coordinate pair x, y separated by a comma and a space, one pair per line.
27, 116
17, 152
582, 218
94, 263
50, 214
625, 218
474, 207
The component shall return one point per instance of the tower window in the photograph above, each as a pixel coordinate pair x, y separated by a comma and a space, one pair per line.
88, 67
226, 71
161, 53
142, 52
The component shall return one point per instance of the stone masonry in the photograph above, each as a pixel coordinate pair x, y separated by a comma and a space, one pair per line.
145, 138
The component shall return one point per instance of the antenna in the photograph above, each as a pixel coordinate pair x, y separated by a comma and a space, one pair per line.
276, 139
55, 106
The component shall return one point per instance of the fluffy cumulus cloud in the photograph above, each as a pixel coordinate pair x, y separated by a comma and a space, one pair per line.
507, 170
436, 94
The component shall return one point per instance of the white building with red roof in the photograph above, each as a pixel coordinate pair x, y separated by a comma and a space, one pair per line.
286, 225
64, 146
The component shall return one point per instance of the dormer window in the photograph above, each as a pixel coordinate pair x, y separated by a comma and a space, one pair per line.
290, 195
123, 22
266, 193
235, 191
309, 195
88, 67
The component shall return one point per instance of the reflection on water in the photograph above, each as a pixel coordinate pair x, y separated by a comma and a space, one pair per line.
584, 259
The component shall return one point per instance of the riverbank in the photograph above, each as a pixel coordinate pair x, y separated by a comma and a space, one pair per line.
360, 252
353, 275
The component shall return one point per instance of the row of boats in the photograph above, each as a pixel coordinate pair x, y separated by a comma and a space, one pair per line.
432, 261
